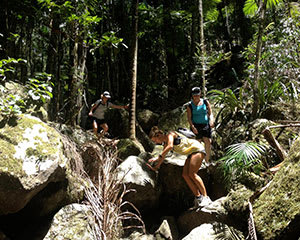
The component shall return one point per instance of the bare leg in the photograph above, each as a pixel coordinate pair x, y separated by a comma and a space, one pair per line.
104, 126
95, 128
207, 142
194, 165
190, 183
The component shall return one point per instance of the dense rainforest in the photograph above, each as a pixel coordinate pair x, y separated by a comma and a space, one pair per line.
80, 49
243, 54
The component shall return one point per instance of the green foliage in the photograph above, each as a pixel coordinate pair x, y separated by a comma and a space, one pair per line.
251, 7
280, 67
40, 87
294, 9
7, 65
108, 40
11, 105
80, 14
39, 90
232, 104
240, 158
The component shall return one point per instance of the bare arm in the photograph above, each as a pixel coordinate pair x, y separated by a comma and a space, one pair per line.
210, 115
92, 109
189, 117
168, 147
119, 106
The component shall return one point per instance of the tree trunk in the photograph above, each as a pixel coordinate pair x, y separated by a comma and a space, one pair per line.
256, 101
79, 61
202, 47
134, 52
52, 65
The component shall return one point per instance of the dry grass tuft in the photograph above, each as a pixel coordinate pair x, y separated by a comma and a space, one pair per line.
105, 196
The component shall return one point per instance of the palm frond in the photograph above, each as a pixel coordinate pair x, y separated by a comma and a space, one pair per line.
250, 8
239, 158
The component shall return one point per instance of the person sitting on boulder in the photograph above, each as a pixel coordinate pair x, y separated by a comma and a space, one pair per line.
195, 154
97, 113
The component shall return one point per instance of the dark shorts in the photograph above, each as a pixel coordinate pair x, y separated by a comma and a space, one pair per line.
99, 122
190, 155
204, 130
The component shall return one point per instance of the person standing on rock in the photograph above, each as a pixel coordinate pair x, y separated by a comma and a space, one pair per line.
97, 113
195, 152
201, 120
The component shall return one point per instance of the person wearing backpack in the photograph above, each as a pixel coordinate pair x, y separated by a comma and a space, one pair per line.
201, 120
97, 113
193, 149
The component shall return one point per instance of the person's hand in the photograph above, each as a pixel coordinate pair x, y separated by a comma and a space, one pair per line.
90, 114
152, 164
211, 124
194, 130
126, 107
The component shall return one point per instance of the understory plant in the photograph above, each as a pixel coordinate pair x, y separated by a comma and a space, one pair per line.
241, 158
233, 104
37, 91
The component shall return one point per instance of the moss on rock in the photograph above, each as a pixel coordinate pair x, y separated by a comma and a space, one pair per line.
25, 146
279, 205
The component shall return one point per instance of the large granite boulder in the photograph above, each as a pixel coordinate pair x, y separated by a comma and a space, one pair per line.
31, 159
147, 119
277, 211
73, 222
215, 212
213, 231
173, 119
134, 173
128, 147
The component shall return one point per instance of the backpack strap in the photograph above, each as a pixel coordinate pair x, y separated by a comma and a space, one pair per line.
100, 102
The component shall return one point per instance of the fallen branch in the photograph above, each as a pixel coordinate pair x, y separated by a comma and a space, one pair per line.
274, 143
259, 192
286, 121
284, 126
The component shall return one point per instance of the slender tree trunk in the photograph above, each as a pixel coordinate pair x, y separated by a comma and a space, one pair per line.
194, 32
202, 47
52, 65
79, 61
134, 72
256, 101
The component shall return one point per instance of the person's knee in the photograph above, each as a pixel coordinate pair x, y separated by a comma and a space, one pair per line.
95, 128
185, 175
192, 175
104, 127
207, 141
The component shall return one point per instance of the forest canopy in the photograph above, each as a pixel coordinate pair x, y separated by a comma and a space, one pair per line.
68, 52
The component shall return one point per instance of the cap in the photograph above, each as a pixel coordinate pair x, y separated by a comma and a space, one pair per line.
106, 94
196, 91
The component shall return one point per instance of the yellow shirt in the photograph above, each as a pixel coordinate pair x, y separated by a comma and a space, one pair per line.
188, 146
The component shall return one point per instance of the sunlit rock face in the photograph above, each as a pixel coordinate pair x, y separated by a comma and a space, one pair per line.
73, 221
277, 211
31, 156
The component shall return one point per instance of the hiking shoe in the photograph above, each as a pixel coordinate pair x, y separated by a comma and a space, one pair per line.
205, 201
197, 202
